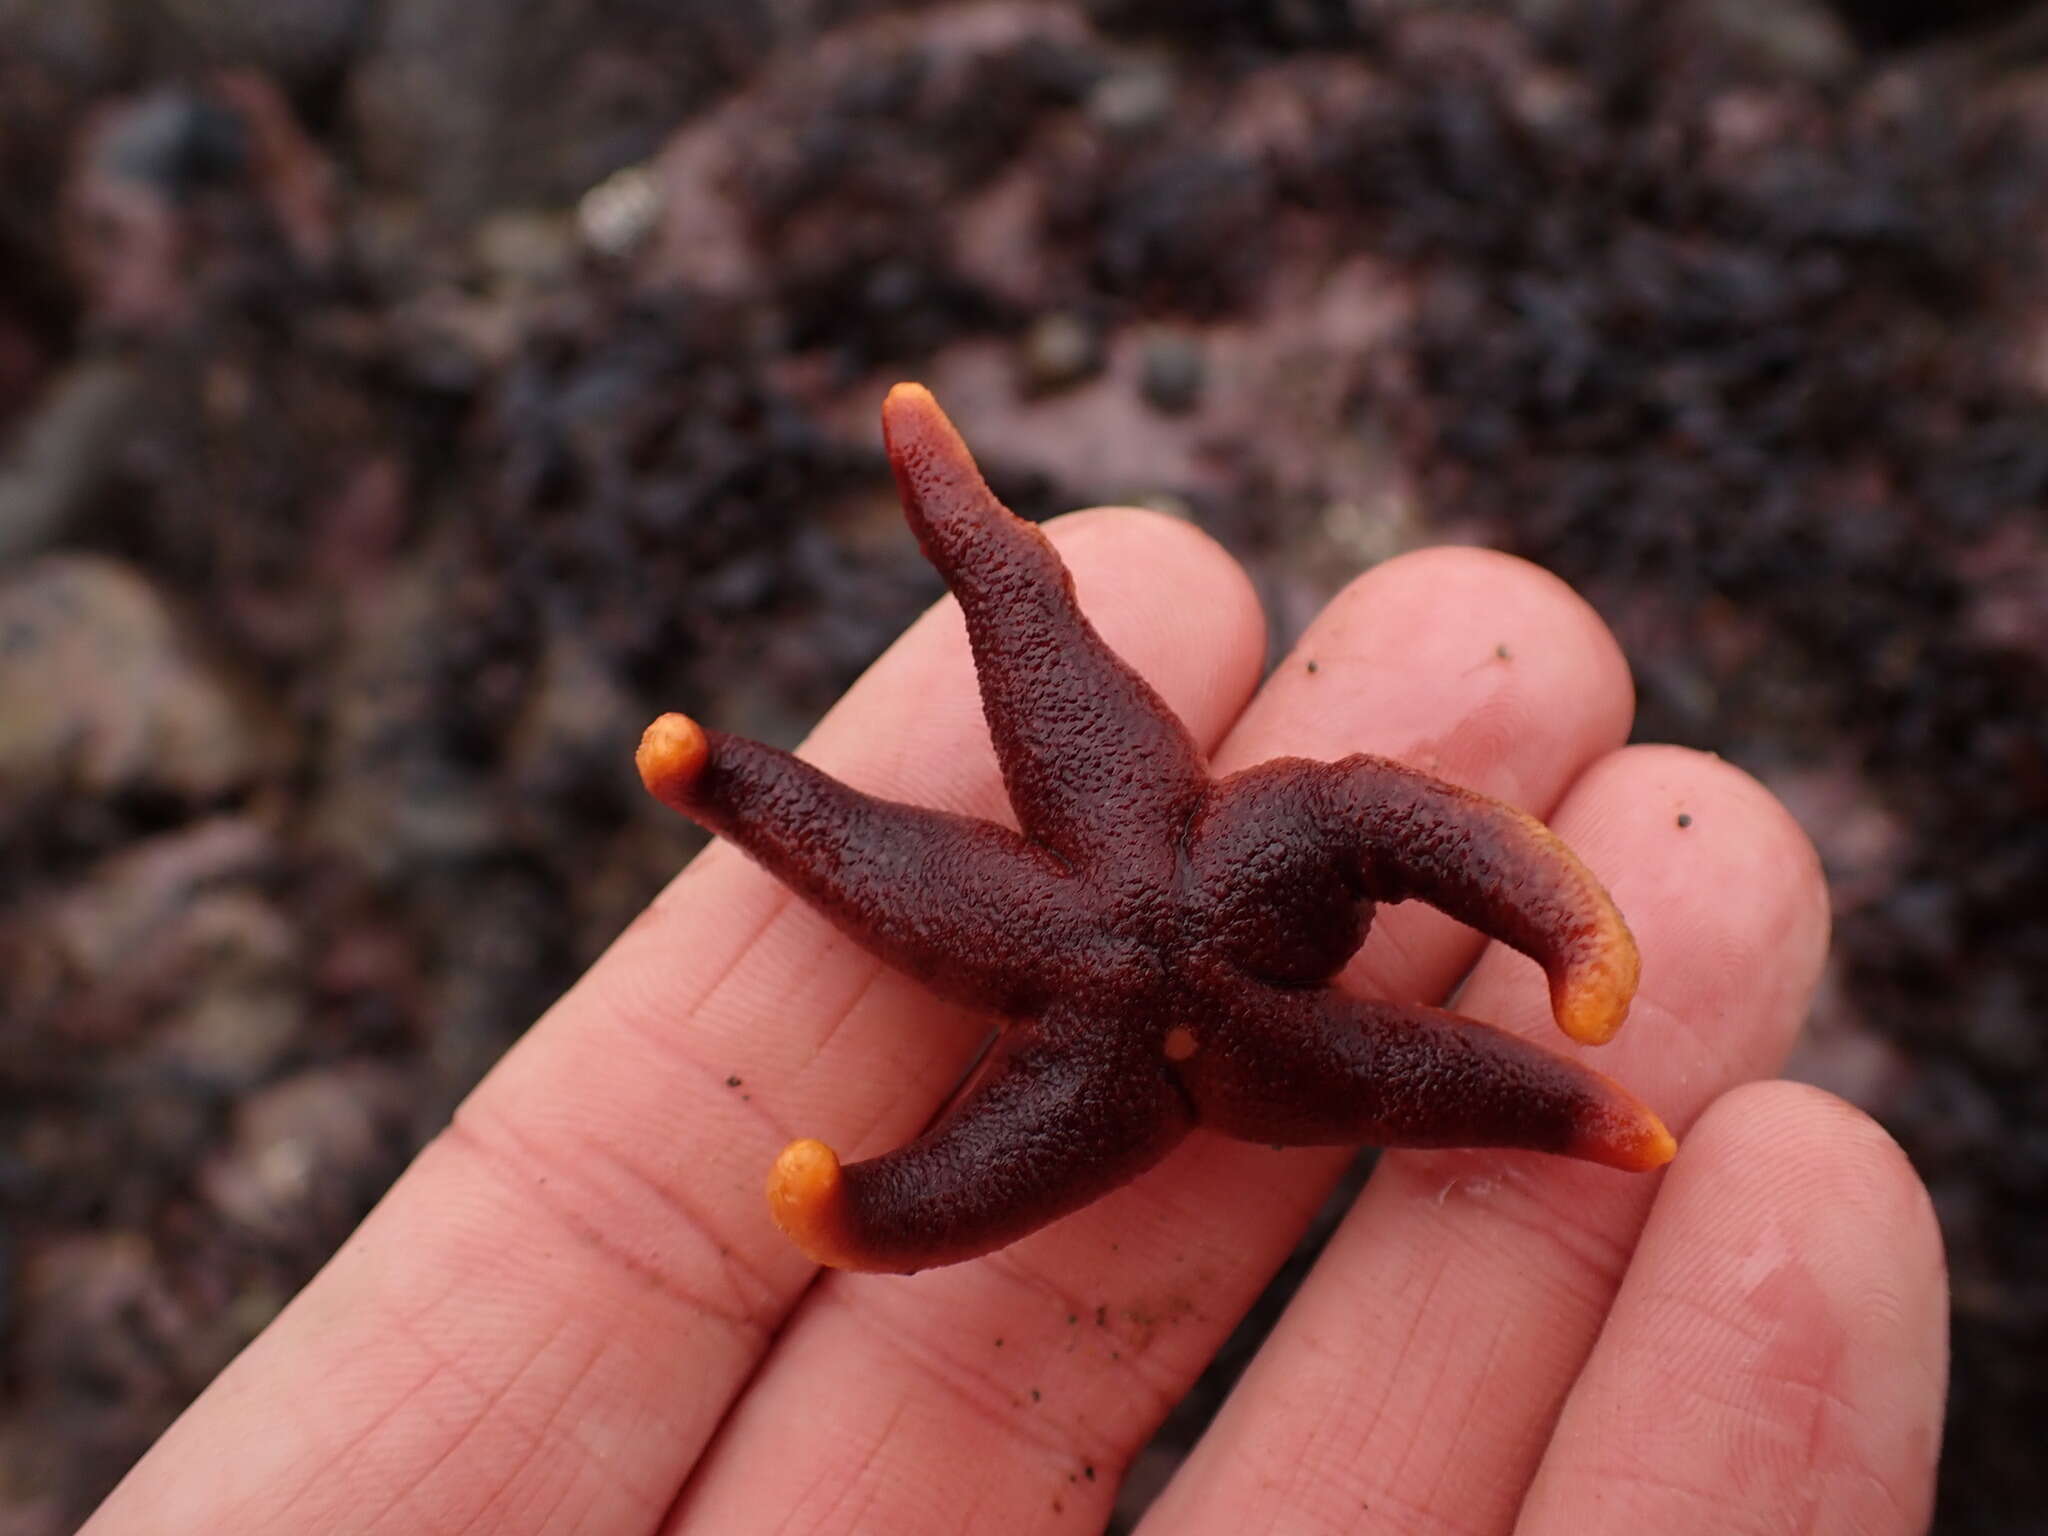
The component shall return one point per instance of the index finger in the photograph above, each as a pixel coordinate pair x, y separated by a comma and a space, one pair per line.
557, 1301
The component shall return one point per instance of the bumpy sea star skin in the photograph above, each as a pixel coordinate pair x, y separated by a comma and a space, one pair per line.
1159, 943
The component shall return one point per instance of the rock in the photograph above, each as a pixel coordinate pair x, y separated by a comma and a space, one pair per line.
526, 250
1171, 372
1840, 1050
1061, 349
470, 108
396, 792
125, 906
242, 1007
31, 1482
138, 168
1132, 103
994, 241
74, 40
757, 193
104, 690
618, 215
499, 937
172, 945
288, 173
1802, 39
171, 195
89, 1302
576, 728
300, 43
23, 359
308, 1154
65, 454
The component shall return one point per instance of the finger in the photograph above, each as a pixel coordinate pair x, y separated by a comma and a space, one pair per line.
1024, 1382
1777, 1357
555, 1304
1418, 1370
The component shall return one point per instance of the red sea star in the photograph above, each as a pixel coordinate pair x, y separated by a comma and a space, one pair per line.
1159, 942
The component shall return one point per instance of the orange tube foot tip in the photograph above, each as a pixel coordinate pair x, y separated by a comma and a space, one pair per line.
908, 396
914, 423
1590, 1002
1637, 1145
807, 1198
673, 751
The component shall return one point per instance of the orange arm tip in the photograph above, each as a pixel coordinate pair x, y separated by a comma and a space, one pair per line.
807, 1198
908, 396
912, 419
1590, 994
673, 751
1627, 1136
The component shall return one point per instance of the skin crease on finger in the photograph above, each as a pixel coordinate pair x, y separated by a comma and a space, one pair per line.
1108, 1316
613, 1156
1481, 1282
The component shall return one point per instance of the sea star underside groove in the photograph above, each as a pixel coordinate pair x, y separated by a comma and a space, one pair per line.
1159, 943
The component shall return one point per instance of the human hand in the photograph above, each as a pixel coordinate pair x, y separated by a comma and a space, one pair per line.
573, 1313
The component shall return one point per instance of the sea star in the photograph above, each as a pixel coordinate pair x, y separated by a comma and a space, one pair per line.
1159, 943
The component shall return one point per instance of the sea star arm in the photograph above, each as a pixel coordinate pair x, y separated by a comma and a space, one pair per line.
1315, 1067
1047, 1127
1296, 851
1195, 922
967, 906
1092, 757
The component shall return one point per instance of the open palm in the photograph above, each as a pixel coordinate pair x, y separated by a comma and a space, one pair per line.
573, 1314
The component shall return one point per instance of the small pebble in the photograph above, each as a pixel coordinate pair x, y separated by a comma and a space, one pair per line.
1132, 104
1171, 375
1060, 350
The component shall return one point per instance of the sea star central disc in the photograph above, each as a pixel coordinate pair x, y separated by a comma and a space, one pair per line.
1159, 943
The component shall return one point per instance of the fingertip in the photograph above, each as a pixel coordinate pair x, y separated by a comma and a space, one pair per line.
1779, 1343
1705, 833
1823, 1163
1468, 664
1725, 897
1143, 544
1794, 1204
1542, 620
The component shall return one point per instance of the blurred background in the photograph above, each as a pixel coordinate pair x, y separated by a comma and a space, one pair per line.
400, 403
